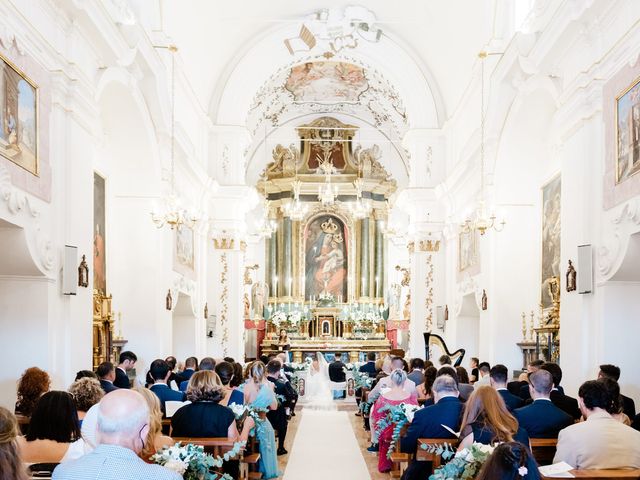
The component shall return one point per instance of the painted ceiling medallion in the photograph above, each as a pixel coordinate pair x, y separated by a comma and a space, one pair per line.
327, 82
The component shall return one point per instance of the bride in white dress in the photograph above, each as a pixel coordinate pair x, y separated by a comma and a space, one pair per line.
318, 393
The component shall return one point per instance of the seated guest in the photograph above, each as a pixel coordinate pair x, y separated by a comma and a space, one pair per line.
510, 461
445, 370
160, 373
521, 386
428, 423
155, 439
278, 417
54, 432
397, 363
486, 420
225, 371
107, 375
85, 373
11, 466
498, 376
32, 385
86, 392
542, 419
424, 390
238, 378
394, 396
127, 362
484, 370
190, 365
635, 423
417, 371
464, 387
615, 407
205, 417
613, 372
370, 367
207, 363
122, 426
600, 442
444, 360
475, 376
559, 399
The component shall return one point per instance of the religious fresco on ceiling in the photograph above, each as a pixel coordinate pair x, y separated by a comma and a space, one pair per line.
326, 258
327, 82
550, 236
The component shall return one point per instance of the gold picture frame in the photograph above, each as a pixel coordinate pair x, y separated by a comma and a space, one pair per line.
19, 117
627, 125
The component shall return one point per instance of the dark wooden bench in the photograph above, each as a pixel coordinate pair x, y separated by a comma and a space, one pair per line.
543, 449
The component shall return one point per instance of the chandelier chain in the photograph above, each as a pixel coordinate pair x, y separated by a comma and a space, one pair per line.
173, 116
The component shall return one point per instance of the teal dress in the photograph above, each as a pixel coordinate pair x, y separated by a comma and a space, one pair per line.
266, 436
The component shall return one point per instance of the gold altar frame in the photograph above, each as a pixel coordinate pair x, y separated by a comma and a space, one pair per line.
299, 269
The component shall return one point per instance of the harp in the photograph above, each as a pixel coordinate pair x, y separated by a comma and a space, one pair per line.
433, 339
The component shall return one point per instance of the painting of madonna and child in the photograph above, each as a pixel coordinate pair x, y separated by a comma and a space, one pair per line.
326, 258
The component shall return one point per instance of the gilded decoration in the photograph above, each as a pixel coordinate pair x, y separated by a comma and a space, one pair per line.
224, 302
429, 245
224, 243
429, 300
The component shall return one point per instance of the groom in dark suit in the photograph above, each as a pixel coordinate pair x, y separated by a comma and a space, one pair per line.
337, 375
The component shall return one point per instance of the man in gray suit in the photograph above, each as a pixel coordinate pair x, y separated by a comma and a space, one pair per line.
122, 428
417, 371
600, 442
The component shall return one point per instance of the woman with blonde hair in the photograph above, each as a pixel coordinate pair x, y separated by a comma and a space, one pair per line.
259, 394
155, 439
86, 392
486, 420
11, 466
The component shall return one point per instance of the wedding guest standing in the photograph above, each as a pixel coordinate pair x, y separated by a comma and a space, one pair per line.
337, 375
393, 397
127, 362
258, 393
160, 373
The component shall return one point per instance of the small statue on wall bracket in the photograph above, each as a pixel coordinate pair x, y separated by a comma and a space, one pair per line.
169, 301
83, 273
484, 299
571, 277
206, 310
446, 313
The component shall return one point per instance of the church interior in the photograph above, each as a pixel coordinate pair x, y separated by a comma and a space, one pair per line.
309, 181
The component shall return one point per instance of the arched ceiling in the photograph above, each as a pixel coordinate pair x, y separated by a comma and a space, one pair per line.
213, 35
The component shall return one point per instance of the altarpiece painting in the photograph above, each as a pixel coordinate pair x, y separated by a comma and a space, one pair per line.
326, 266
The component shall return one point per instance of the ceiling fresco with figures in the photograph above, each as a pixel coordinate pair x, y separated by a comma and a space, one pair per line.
327, 82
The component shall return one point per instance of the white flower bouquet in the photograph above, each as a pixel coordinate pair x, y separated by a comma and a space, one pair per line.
466, 463
193, 463
278, 317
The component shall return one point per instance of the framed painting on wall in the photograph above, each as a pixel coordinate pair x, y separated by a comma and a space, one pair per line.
627, 109
467, 250
184, 252
18, 117
99, 231
550, 263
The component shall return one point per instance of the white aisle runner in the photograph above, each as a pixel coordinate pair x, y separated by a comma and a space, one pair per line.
325, 447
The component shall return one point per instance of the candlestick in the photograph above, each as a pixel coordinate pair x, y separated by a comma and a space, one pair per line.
531, 329
524, 326
119, 325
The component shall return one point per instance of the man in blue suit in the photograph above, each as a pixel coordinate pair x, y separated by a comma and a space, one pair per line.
428, 423
190, 365
207, 363
542, 419
160, 372
370, 367
107, 374
498, 376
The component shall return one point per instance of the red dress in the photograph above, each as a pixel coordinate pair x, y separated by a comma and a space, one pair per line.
384, 436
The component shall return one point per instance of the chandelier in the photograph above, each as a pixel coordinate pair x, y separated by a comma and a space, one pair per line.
295, 209
481, 220
171, 212
360, 208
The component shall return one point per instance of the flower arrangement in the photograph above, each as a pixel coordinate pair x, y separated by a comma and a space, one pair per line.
362, 379
193, 463
300, 367
295, 317
465, 465
398, 416
278, 317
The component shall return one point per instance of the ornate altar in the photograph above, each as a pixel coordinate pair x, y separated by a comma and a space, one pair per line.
325, 268
106, 347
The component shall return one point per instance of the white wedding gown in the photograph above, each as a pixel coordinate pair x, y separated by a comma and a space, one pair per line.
319, 395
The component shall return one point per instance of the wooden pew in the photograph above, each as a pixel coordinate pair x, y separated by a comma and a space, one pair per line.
544, 449
436, 460
218, 446
602, 474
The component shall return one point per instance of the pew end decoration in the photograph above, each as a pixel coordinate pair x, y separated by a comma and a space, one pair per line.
464, 465
193, 463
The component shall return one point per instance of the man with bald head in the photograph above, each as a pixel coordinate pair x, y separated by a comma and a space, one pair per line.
122, 428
